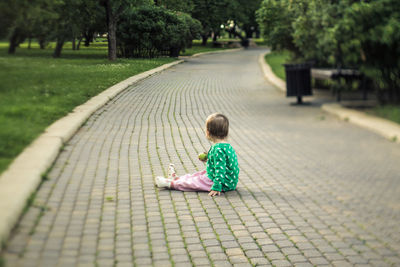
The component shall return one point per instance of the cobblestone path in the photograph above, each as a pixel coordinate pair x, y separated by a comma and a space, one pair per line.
313, 190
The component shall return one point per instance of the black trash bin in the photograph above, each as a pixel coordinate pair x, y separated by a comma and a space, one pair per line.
298, 80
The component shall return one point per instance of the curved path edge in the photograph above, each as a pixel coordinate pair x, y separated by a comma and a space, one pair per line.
26, 172
269, 75
385, 128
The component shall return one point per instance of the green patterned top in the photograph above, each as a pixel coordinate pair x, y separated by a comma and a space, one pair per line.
222, 167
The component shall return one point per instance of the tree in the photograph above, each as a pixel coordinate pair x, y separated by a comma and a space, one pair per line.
370, 37
19, 16
249, 22
212, 14
92, 20
276, 18
242, 13
8, 15
22, 18
185, 6
114, 9
66, 25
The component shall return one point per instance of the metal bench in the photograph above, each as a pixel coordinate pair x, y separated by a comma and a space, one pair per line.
335, 74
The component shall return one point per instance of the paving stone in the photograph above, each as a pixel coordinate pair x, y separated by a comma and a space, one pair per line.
270, 248
242, 264
142, 261
342, 263
215, 249
282, 263
234, 251
201, 261
297, 258
304, 264
254, 253
218, 256
260, 261
275, 256
210, 242
318, 261
222, 264
236, 259
195, 247
230, 244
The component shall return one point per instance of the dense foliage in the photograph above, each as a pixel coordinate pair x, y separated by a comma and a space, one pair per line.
150, 31
347, 33
81, 20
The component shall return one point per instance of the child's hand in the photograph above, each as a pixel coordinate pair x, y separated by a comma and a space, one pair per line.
214, 193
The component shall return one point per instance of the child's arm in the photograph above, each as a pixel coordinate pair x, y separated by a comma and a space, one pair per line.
219, 172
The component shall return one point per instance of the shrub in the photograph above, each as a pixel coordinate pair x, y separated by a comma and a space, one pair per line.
195, 28
152, 31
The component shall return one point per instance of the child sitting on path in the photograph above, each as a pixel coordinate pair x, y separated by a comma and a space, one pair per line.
222, 166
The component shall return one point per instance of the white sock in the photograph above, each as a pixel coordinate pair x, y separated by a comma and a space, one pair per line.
163, 182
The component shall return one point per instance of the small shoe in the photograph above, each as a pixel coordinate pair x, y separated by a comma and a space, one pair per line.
163, 182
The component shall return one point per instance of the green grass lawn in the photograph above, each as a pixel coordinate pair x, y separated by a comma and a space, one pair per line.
275, 59
36, 89
390, 112
260, 41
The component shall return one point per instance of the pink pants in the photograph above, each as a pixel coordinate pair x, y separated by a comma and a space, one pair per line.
193, 182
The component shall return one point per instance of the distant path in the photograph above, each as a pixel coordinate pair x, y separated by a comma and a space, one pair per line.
313, 190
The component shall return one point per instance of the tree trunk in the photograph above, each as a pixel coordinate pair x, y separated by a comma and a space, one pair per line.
79, 43
189, 44
112, 28
204, 39
249, 33
87, 38
87, 42
73, 43
112, 41
29, 42
214, 37
13, 42
59, 46
42, 42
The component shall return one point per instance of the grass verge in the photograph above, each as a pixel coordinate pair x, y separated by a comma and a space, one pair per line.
390, 112
36, 89
275, 60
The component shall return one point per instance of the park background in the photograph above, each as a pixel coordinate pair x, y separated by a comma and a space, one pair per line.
55, 55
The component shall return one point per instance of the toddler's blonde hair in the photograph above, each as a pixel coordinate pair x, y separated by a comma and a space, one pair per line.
217, 126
